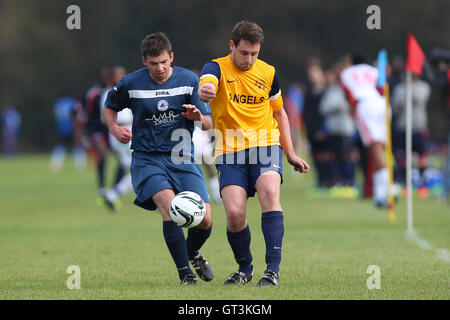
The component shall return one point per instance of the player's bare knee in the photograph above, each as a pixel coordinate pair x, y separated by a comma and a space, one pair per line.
165, 214
162, 200
235, 217
164, 207
269, 196
205, 224
207, 220
236, 225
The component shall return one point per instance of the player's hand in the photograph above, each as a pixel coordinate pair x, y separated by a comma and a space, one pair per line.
298, 163
207, 91
122, 134
192, 112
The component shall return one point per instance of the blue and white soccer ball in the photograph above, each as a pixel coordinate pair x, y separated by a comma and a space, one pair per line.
187, 209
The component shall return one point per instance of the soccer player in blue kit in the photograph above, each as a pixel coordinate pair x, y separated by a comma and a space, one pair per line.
163, 98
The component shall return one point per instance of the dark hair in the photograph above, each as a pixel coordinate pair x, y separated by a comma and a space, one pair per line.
247, 30
154, 44
358, 58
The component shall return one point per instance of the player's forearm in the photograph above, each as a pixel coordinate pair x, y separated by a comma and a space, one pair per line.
285, 132
110, 117
121, 133
203, 98
206, 122
207, 91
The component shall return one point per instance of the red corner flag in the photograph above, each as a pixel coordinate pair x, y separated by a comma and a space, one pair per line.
416, 57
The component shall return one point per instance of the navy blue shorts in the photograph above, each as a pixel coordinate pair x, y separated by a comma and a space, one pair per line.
419, 142
243, 168
153, 172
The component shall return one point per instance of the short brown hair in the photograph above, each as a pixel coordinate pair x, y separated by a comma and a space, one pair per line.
247, 30
154, 44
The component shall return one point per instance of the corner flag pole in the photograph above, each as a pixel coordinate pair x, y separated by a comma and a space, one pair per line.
414, 63
409, 204
389, 157
383, 84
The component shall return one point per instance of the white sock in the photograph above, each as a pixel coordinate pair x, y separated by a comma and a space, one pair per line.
214, 185
57, 159
112, 195
124, 185
380, 185
79, 158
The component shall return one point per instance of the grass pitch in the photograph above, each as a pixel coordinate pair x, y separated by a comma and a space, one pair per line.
50, 221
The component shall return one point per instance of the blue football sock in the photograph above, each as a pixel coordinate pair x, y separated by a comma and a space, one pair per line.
101, 173
120, 172
240, 244
176, 243
273, 229
195, 240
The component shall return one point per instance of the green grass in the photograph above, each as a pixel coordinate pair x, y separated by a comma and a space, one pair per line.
50, 221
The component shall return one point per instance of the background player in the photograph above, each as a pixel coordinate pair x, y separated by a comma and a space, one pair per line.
421, 91
11, 125
122, 182
95, 130
204, 154
69, 121
314, 123
339, 124
245, 98
369, 108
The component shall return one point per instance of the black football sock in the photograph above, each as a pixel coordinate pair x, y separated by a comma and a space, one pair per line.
348, 173
101, 173
240, 244
195, 240
272, 225
120, 172
174, 237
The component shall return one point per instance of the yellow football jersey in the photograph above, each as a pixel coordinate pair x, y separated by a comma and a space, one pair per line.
245, 101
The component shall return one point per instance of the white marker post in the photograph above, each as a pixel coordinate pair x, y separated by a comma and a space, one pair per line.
409, 204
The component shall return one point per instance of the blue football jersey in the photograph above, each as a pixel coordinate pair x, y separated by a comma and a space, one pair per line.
157, 107
65, 109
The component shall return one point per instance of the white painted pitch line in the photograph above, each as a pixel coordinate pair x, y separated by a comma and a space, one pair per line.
423, 244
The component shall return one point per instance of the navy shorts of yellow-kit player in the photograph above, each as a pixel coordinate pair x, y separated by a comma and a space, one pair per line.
155, 171
243, 168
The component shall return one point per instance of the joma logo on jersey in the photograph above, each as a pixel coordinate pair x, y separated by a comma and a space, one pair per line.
161, 93
242, 98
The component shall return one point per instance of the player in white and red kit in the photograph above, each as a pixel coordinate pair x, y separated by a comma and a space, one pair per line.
360, 83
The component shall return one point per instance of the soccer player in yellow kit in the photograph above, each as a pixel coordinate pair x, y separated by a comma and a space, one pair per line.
246, 105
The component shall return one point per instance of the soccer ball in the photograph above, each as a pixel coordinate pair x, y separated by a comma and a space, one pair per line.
187, 209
